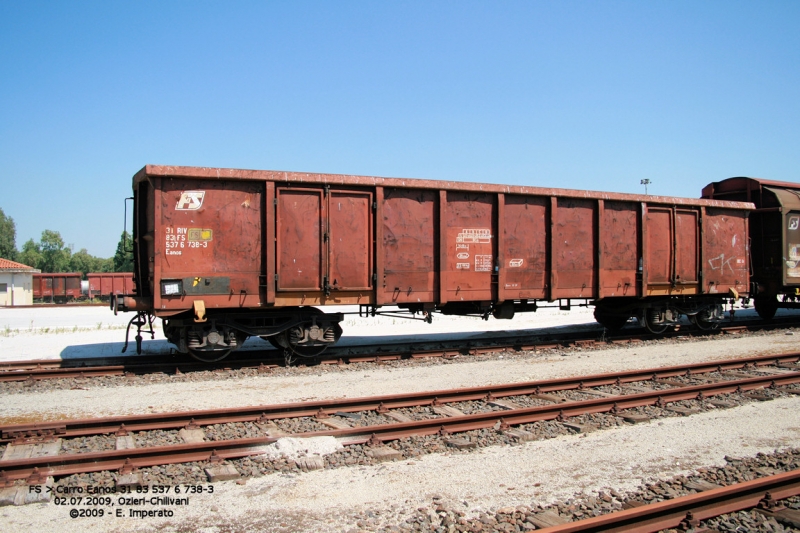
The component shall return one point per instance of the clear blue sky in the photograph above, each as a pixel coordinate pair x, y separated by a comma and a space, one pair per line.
582, 95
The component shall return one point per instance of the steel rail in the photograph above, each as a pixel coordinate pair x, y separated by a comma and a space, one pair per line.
561, 411
235, 448
61, 373
146, 422
702, 506
16, 371
30, 364
77, 463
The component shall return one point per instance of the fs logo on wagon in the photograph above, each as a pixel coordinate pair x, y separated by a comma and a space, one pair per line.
190, 200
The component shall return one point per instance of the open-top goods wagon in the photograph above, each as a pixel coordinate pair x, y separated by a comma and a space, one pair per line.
58, 287
774, 238
104, 284
223, 254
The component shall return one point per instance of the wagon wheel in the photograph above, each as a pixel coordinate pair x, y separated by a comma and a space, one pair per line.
653, 328
210, 356
702, 323
766, 306
221, 351
272, 339
281, 342
610, 321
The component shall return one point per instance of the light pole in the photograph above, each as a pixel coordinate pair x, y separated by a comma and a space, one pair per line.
645, 182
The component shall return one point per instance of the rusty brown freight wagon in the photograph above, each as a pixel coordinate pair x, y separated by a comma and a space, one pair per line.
104, 284
223, 254
57, 287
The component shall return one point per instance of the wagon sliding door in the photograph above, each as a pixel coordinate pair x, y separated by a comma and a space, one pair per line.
526, 232
324, 240
469, 251
409, 245
672, 246
299, 251
349, 241
686, 248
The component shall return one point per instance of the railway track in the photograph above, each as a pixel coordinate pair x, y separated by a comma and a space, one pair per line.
687, 512
263, 360
373, 421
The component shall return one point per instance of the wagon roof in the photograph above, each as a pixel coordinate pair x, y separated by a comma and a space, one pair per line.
740, 183
409, 183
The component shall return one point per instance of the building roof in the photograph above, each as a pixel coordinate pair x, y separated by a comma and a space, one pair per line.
7, 265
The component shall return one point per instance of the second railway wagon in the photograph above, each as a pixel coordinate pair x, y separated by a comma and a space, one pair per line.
104, 284
223, 254
774, 238
58, 287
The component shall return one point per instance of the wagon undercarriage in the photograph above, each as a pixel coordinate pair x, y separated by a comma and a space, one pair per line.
305, 331
658, 314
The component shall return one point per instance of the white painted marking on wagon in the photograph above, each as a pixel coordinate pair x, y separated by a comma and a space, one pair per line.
190, 200
719, 263
483, 263
475, 235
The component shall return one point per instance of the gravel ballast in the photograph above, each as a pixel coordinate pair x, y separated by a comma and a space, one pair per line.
535, 473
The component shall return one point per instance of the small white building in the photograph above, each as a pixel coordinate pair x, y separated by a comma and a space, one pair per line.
16, 283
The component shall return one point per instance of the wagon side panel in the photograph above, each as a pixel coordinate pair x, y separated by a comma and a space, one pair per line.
107, 285
73, 285
93, 279
121, 283
524, 245
209, 238
619, 248
574, 248
128, 286
36, 287
468, 246
299, 239
59, 286
687, 246
47, 286
658, 246
725, 255
350, 241
408, 246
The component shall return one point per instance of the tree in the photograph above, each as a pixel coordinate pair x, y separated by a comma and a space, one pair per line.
31, 254
123, 259
83, 262
105, 265
8, 237
50, 255
55, 257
